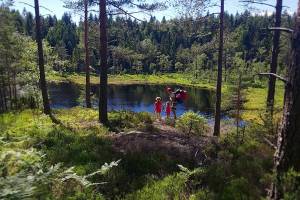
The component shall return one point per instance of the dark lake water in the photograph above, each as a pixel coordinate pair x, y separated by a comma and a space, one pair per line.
132, 97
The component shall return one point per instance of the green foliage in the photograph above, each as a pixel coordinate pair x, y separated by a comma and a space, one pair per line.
291, 185
124, 120
192, 123
30, 142
237, 189
202, 195
241, 169
171, 187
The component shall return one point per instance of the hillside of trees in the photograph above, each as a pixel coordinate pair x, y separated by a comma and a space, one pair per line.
244, 144
158, 46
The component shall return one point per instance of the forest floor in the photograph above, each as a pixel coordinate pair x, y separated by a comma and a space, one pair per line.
144, 147
164, 139
154, 158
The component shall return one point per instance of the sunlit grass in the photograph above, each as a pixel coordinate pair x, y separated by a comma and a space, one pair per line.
171, 78
255, 104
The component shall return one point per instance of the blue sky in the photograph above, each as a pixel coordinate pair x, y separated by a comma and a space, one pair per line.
231, 6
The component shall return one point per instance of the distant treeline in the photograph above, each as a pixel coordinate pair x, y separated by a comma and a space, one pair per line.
166, 45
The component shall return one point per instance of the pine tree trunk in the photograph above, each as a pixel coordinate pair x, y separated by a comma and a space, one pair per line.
4, 94
288, 149
43, 83
103, 63
87, 57
1, 100
219, 81
275, 52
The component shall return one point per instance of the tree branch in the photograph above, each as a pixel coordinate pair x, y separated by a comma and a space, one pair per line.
247, 2
199, 19
269, 143
27, 4
129, 13
288, 30
274, 75
125, 12
256, 2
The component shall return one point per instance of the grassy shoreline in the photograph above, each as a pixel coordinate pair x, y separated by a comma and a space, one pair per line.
255, 97
128, 79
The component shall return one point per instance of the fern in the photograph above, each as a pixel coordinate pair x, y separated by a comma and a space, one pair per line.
83, 180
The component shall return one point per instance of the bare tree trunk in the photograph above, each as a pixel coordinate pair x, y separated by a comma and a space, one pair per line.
4, 94
225, 67
219, 81
87, 57
288, 149
15, 87
43, 83
103, 63
9, 90
1, 100
275, 52
238, 103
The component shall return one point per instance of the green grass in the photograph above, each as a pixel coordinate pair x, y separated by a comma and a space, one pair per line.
256, 102
171, 187
172, 78
29, 139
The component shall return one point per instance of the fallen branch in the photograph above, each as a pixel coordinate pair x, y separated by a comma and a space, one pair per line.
274, 75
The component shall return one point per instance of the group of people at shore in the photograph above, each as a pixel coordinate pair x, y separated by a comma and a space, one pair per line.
167, 107
170, 105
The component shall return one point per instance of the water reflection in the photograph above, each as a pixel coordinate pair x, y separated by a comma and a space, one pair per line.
131, 97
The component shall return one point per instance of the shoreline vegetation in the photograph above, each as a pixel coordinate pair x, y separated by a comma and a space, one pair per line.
255, 97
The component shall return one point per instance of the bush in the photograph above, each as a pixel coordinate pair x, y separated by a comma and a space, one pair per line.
124, 120
171, 187
192, 123
242, 168
291, 185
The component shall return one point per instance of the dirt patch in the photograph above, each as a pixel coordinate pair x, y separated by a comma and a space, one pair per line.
166, 140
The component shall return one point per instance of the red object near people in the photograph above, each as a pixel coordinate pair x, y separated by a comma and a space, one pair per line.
168, 108
158, 106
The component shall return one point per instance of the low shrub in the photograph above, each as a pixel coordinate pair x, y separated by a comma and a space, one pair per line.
124, 120
171, 187
291, 185
192, 123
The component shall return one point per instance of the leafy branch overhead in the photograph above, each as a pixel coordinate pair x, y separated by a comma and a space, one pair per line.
191, 8
121, 7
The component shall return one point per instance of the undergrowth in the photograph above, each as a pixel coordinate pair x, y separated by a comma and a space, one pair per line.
42, 160
35, 153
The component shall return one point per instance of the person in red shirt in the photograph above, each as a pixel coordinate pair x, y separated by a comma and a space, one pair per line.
168, 108
158, 108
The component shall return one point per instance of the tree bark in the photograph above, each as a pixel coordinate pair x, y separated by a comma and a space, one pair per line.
274, 59
103, 63
39, 42
87, 57
288, 149
1, 100
219, 81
